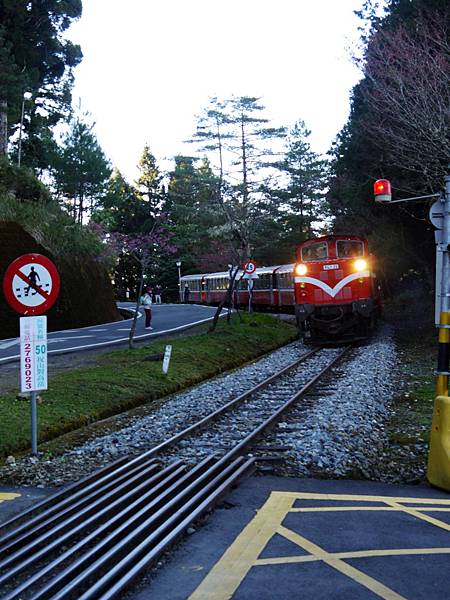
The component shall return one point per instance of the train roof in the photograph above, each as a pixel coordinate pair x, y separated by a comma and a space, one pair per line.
331, 238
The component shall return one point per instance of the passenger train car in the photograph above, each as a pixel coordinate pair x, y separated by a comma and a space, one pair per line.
273, 288
332, 288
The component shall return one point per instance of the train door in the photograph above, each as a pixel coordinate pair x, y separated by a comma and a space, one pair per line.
274, 294
203, 290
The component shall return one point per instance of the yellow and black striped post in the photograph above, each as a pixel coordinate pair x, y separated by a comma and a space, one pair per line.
442, 372
439, 456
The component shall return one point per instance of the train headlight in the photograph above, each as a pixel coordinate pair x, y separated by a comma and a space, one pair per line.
360, 265
301, 270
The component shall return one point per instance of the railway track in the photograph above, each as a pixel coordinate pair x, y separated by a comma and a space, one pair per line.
91, 539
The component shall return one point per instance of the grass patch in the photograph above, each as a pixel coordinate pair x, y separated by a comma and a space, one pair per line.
124, 379
414, 412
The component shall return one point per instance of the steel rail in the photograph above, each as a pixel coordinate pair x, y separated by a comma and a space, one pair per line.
159, 482
149, 556
85, 521
65, 502
211, 416
118, 526
122, 542
274, 417
136, 533
80, 509
62, 494
64, 498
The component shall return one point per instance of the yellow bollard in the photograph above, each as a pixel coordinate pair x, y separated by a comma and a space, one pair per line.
438, 472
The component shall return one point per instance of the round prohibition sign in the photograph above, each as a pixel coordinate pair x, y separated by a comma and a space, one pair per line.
31, 284
249, 267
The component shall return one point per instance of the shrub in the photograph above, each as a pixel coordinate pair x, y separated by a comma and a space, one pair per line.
21, 183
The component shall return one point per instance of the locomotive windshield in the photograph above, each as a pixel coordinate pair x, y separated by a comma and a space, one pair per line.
350, 249
317, 251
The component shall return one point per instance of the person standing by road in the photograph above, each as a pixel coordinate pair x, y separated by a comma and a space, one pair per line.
147, 303
158, 290
186, 293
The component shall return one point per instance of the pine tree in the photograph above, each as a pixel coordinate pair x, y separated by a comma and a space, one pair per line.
397, 129
304, 174
83, 170
38, 59
190, 204
149, 184
241, 144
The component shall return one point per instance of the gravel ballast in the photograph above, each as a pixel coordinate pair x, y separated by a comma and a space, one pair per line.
342, 431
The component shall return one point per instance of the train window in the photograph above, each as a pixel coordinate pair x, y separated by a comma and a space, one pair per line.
317, 251
287, 281
263, 282
221, 283
350, 249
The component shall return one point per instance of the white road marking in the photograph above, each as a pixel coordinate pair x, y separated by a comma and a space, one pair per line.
98, 330
9, 344
117, 341
72, 337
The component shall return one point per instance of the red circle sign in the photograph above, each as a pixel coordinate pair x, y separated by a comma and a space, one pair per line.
249, 267
31, 284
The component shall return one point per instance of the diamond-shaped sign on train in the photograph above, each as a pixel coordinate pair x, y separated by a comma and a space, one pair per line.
31, 284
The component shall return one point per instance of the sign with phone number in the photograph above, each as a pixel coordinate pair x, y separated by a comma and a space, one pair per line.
33, 353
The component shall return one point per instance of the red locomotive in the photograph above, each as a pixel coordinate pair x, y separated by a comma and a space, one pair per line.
337, 296
332, 288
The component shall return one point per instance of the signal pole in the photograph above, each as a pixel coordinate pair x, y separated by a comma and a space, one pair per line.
438, 472
444, 320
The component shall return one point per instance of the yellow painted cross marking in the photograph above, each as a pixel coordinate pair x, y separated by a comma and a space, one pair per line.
229, 572
7, 496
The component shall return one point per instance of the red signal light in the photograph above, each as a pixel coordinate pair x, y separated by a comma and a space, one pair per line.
382, 190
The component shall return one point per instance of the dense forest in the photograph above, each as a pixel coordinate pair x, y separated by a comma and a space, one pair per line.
245, 187
398, 129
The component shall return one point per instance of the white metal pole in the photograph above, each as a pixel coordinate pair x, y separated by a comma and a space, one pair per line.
179, 284
33, 402
444, 321
445, 289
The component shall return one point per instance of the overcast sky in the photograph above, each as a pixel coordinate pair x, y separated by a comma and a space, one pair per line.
150, 66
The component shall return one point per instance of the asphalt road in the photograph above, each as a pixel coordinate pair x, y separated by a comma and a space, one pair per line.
286, 539
167, 318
